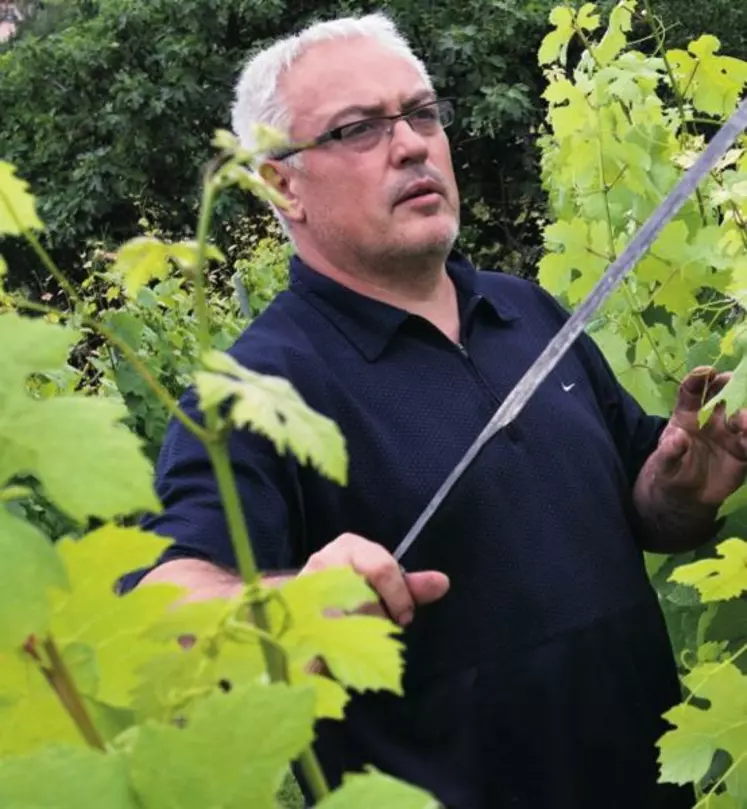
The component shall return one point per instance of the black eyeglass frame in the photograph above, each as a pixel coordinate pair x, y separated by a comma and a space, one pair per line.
444, 105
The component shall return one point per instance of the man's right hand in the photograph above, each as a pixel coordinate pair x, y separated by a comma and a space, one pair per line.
400, 592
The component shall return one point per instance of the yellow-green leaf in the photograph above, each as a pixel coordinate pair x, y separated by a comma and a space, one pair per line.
61, 777
554, 47
734, 394
233, 753
588, 18
30, 570
374, 790
271, 406
686, 753
141, 260
88, 462
717, 579
615, 39
17, 204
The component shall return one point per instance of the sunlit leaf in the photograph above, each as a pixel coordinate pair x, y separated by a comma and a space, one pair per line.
233, 753
374, 790
89, 463
17, 205
686, 753
59, 777
30, 569
721, 578
271, 406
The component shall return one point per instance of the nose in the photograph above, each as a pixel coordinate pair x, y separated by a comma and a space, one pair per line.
406, 145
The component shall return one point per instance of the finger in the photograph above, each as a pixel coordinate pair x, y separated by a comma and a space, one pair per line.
737, 422
427, 586
693, 391
674, 444
383, 574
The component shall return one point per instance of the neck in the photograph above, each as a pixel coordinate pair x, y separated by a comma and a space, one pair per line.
420, 287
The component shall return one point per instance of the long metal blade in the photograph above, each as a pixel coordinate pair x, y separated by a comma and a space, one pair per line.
564, 339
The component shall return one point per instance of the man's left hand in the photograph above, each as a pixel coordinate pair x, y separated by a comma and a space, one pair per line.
706, 464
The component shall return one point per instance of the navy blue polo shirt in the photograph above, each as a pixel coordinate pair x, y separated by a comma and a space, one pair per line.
539, 680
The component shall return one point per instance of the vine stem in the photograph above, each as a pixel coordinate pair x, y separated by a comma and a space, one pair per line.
62, 684
217, 449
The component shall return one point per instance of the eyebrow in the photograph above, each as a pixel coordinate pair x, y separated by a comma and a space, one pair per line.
375, 110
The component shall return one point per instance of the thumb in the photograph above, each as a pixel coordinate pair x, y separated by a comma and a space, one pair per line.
427, 586
672, 448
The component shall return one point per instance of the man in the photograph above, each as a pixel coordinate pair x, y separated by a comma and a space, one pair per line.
538, 665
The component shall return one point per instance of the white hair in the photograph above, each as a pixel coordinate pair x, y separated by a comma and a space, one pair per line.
258, 98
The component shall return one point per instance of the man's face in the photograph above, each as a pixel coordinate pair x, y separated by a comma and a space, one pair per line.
349, 203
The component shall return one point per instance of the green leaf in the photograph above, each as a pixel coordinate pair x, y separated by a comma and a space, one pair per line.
588, 18
686, 753
734, 394
233, 753
17, 205
375, 790
30, 568
112, 626
59, 777
614, 40
717, 579
271, 406
141, 260
554, 47
358, 649
735, 502
89, 463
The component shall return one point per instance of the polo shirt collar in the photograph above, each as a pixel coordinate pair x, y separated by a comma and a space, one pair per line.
370, 324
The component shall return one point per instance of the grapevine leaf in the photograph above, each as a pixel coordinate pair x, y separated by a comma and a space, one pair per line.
637, 380
113, 626
614, 347
271, 406
373, 790
89, 463
17, 205
734, 502
588, 18
30, 568
554, 47
141, 260
31, 714
718, 80
614, 39
61, 777
233, 752
733, 394
330, 697
717, 579
358, 649
687, 751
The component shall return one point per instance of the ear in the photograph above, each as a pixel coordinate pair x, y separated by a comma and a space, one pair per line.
283, 179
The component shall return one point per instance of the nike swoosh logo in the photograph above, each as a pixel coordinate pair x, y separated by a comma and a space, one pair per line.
567, 388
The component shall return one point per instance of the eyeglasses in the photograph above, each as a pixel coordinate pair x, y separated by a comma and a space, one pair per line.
360, 136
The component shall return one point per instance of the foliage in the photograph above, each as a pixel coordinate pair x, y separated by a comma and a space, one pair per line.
621, 127
102, 694
138, 69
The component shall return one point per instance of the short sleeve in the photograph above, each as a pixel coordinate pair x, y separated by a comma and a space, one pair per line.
192, 513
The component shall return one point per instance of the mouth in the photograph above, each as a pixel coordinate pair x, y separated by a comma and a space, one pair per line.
423, 191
